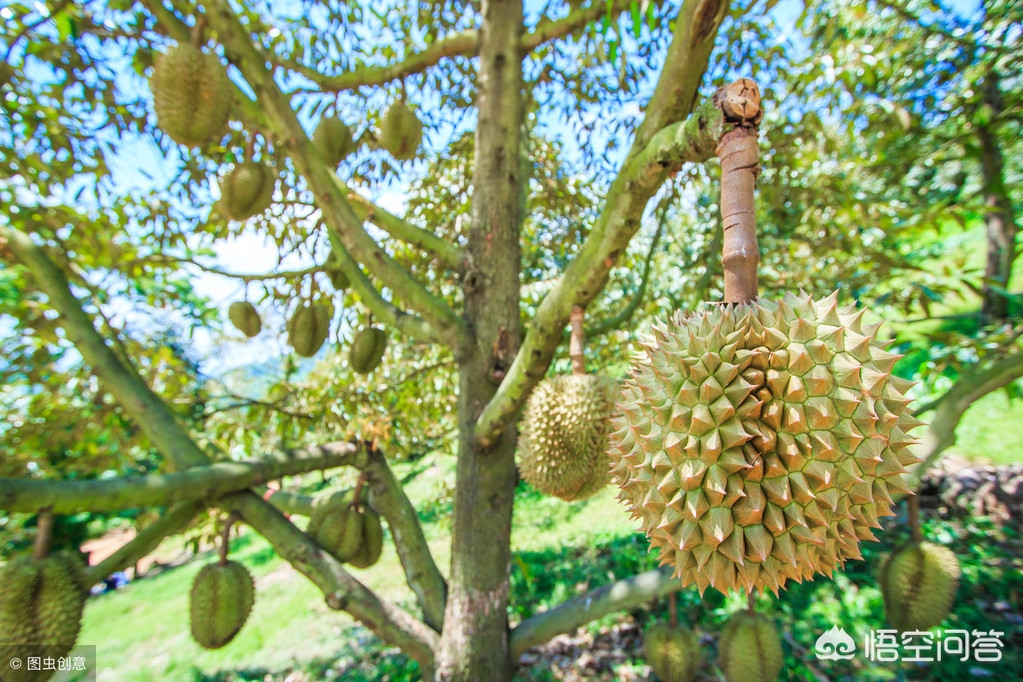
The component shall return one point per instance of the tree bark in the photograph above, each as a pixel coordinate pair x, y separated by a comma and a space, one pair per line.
999, 219
474, 642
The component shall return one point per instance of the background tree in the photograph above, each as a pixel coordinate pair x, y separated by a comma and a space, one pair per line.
510, 222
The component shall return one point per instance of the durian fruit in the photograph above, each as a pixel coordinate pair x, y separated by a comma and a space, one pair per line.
673, 652
750, 649
335, 273
191, 95
41, 601
220, 602
563, 435
333, 140
336, 526
308, 327
367, 349
760, 442
372, 540
401, 132
247, 190
243, 315
919, 584
351, 534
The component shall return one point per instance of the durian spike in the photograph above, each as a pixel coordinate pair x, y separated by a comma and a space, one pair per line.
740, 163
44, 533
575, 344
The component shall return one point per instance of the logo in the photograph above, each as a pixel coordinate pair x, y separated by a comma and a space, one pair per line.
835, 645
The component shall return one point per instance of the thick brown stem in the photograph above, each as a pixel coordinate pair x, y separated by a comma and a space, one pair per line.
740, 163
751, 601
44, 533
575, 344
913, 506
673, 609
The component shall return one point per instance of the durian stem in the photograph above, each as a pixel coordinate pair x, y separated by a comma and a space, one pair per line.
913, 507
357, 498
250, 148
225, 536
575, 343
751, 601
44, 533
740, 164
673, 609
199, 31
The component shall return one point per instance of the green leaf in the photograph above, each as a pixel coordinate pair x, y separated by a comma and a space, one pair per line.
637, 19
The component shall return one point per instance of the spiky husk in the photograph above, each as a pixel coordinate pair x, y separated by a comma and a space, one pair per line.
245, 318
401, 132
220, 602
333, 140
308, 327
336, 526
367, 350
563, 439
41, 602
191, 95
750, 649
372, 543
673, 652
247, 190
760, 442
919, 584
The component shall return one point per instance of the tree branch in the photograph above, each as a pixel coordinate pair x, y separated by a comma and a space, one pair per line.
970, 387
421, 571
466, 44
145, 542
246, 276
382, 309
449, 255
199, 482
151, 414
644, 170
322, 181
569, 615
342, 590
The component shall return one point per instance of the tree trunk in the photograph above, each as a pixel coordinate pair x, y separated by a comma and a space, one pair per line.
999, 220
474, 642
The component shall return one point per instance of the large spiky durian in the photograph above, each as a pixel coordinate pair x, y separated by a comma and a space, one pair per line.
673, 652
247, 190
919, 584
367, 349
41, 602
219, 603
749, 649
245, 317
333, 140
563, 441
401, 132
760, 442
191, 95
309, 326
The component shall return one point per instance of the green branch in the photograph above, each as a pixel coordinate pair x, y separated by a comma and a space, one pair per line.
569, 615
971, 386
174, 521
151, 414
465, 43
421, 571
342, 590
449, 255
321, 180
157, 490
645, 169
382, 309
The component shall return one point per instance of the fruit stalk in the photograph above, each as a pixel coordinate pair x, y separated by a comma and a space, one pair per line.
740, 164
913, 505
575, 344
673, 609
44, 528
